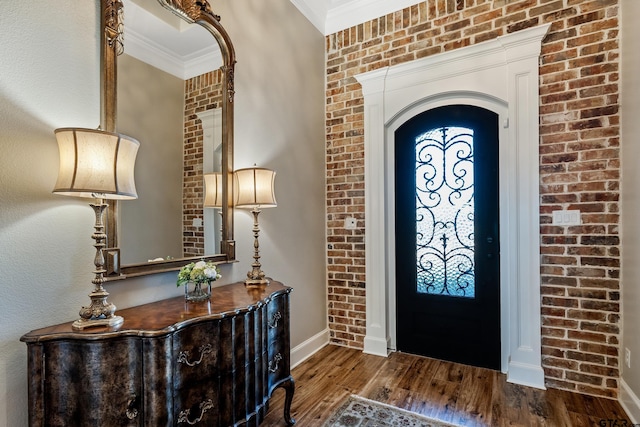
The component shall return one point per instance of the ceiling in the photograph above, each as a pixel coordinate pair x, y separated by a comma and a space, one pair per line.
156, 36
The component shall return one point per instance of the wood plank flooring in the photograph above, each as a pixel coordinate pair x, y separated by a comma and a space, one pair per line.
446, 391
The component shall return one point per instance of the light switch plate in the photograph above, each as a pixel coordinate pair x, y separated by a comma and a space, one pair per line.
627, 357
568, 217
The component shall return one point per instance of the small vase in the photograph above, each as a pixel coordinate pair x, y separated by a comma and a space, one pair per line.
194, 292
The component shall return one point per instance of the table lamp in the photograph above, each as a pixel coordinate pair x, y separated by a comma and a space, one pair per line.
99, 165
254, 189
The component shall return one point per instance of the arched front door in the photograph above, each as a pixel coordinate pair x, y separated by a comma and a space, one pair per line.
447, 235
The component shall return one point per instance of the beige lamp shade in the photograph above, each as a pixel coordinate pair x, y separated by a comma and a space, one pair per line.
254, 188
213, 190
94, 163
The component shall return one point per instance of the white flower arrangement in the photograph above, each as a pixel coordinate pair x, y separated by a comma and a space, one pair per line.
198, 272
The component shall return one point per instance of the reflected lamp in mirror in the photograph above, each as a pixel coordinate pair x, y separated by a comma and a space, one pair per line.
99, 165
213, 190
254, 189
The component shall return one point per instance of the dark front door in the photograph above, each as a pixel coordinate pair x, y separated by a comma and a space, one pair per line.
447, 241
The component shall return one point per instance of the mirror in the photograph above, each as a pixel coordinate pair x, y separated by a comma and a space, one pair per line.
174, 91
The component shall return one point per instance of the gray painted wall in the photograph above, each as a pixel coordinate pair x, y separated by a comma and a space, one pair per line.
151, 109
52, 81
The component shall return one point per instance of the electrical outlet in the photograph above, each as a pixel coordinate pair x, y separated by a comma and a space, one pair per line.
350, 223
627, 357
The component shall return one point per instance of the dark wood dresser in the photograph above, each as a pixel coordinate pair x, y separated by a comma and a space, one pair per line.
171, 363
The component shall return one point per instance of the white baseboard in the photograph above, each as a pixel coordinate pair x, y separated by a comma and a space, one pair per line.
305, 350
629, 401
526, 374
376, 346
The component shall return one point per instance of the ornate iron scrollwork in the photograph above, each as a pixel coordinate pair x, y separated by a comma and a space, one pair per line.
183, 417
444, 212
183, 357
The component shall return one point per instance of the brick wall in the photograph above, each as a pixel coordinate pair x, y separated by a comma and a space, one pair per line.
579, 166
202, 93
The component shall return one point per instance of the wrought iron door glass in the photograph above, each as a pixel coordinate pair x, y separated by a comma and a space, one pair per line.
444, 212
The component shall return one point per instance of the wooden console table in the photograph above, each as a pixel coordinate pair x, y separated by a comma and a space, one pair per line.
171, 363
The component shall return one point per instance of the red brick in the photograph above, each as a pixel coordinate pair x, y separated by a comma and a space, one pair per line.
579, 166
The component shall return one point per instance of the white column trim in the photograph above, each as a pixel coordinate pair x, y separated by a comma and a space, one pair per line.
504, 70
376, 340
211, 121
525, 359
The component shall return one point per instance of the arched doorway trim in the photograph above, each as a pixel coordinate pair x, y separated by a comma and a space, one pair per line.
501, 74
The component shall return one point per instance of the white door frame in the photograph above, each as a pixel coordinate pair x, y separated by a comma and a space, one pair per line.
500, 75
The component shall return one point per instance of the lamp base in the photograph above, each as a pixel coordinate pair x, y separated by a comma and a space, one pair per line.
257, 282
113, 322
99, 312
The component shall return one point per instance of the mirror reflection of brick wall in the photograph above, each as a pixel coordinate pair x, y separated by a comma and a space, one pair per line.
203, 92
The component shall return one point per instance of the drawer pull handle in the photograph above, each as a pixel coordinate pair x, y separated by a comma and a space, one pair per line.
276, 361
184, 355
183, 417
274, 320
132, 411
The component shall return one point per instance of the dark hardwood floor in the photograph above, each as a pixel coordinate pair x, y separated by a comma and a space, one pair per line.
446, 391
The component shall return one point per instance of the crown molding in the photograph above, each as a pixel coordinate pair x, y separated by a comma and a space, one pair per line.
331, 16
355, 12
328, 16
163, 40
156, 54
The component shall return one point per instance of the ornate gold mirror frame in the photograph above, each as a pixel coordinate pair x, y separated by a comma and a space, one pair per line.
195, 12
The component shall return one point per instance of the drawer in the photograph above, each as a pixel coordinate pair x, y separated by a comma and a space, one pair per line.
277, 318
81, 376
195, 353
198, 404
278, 363
277, 355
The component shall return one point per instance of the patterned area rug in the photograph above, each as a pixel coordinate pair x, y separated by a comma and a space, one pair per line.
360, 412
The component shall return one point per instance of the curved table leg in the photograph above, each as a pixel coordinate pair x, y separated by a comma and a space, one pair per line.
289, 387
